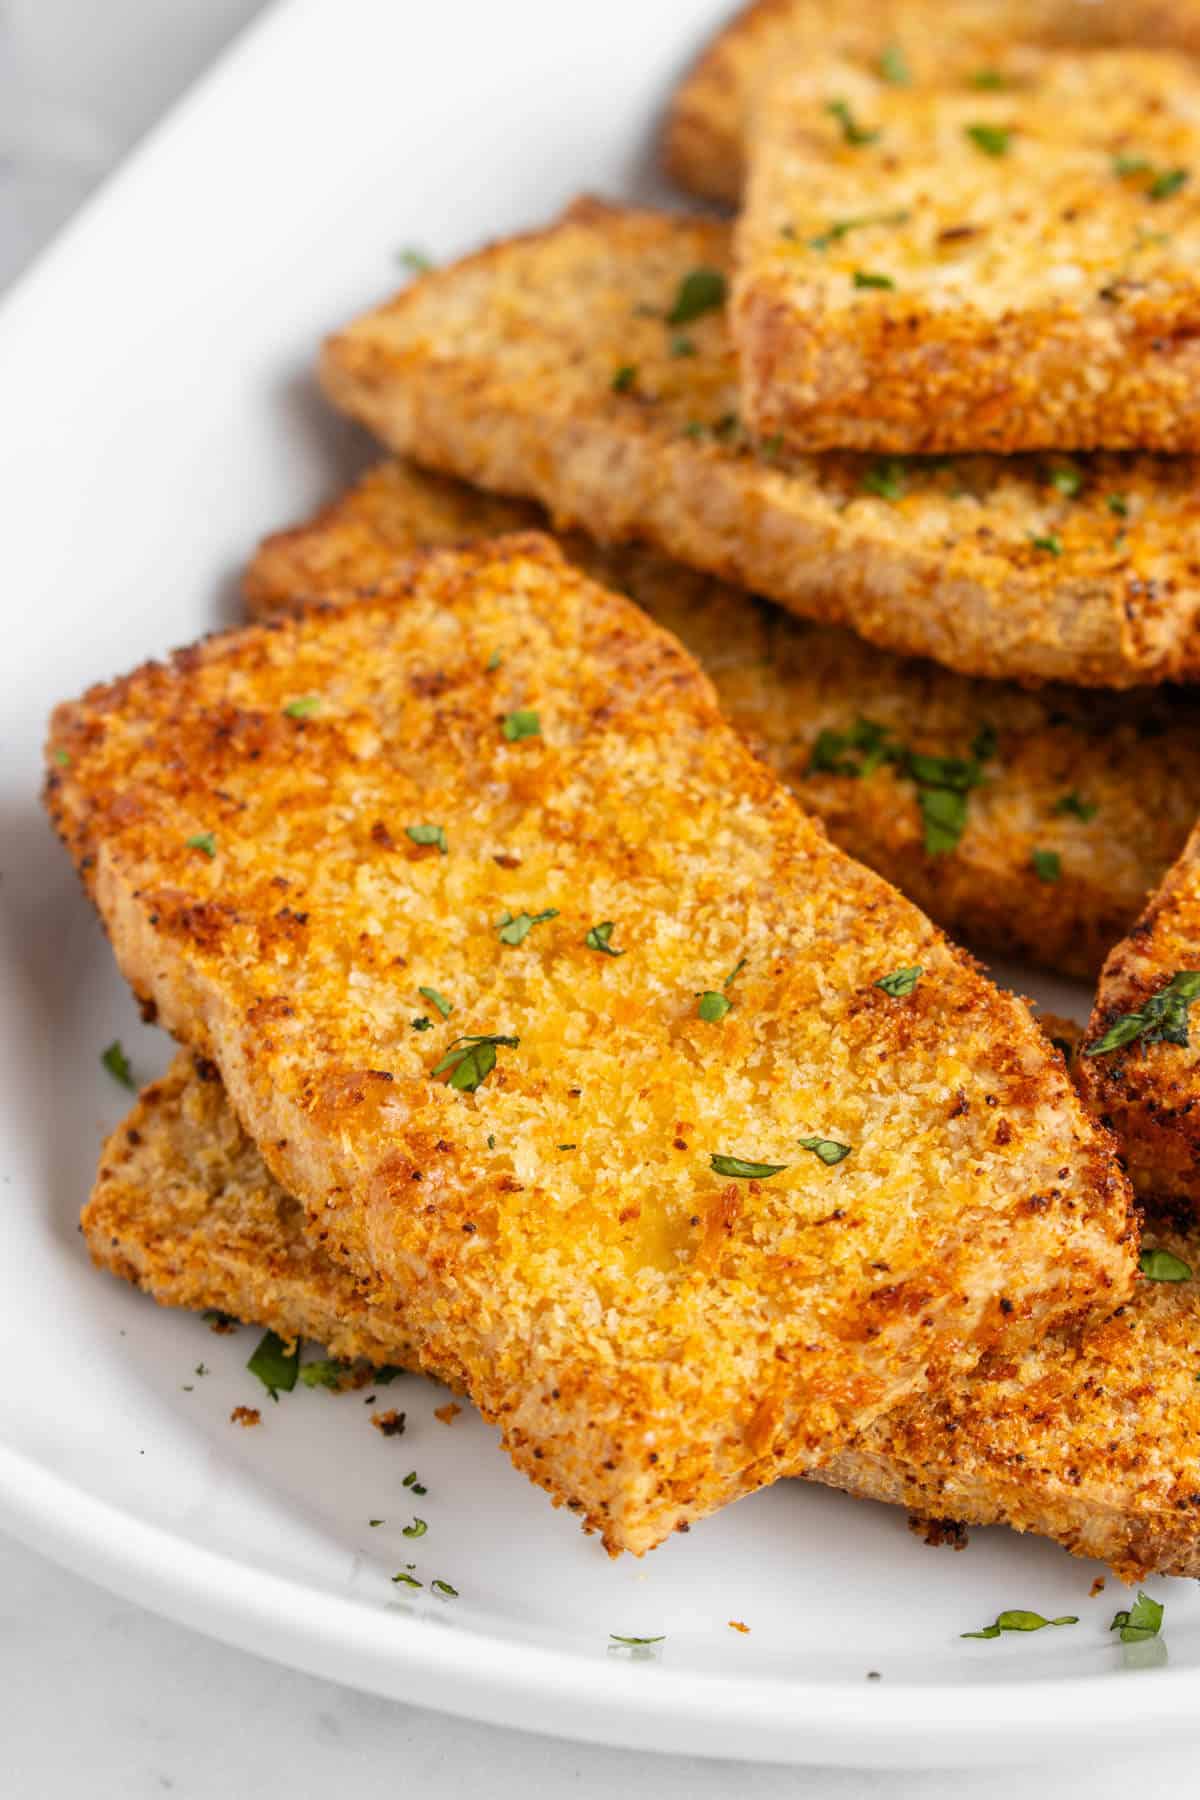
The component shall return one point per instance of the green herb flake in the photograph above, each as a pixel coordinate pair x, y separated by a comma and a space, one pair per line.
116, 1062
1046, 864
407, 1580
512, 930
840, 228
992, 140
1162, 1019
1067, 479
989, 81
374, 1522
901, 982
1051, 543
735, 971
713, 1007
1167, 183
624, 378
62, 758
303, 708
1161, 1265
701, 291
1118, 504
471, 1060
421, 1024
827, 1149
1140, 1621
417, 1529
853, 133
1074, 806
1125, 166
598, 936
944, 818
324, 1374
682, 346
275, 1366
868, 278
492, 663
204, 841
744, 1171
521, 724
415, 261
444, 1589
443, 1005
894, 67
1019, 1620
887, 478
428, 834
615, 1637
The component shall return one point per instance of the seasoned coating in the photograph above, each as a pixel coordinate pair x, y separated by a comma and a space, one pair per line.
1090, 1438
1149, 1088
706, 124
1016, 268
528, 1173
1102, 782
501, 369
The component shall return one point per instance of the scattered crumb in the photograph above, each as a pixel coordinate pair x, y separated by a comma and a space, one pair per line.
937, 1532
1097, 1587
448, 1413
245, 1415
221, 1323
736, 1625
874, 1675
390, 1423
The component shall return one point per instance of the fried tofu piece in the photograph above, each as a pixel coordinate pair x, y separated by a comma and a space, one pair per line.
1139, 1069
940, 268
970, 43
563, 1022
572, 367
1085, 800
1089, 1438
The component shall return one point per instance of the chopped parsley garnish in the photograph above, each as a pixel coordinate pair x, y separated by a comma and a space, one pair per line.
735, 971
471, 1060
62, 758
615, 1637
444, 1589
374, 1522
852, 132
887, 478
407, 1579
491, 1143
944, 817
828, 1149
512, 930
993, 140
428, 834
492, 663
942, 781
894, 68
701, 291
421, 1024
326, 1374
303, 708
1051, 543
1074, 806
598, 936
1140, 1621
989, 80
275, 1366
713, 1007
744, 1171
205, 841
1161, 1265
416, 261
901, 982
1018, 1620
840, 227
117, 1064
521, 724
1167, 183
1117, 503
869, 278
1046, 864
1163, 182
417, 1529
624, 378
1067, 479
682, 346
443, 1005
1162, 1019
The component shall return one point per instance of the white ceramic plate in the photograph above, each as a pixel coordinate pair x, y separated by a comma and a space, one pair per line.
158, 416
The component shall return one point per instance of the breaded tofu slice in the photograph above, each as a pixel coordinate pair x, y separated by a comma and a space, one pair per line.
1083, 802
589, 367
1090, 1438
1139, 1069
564, 1023
945, 268
906, 40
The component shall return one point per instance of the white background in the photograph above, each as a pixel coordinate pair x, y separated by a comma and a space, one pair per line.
100, 1698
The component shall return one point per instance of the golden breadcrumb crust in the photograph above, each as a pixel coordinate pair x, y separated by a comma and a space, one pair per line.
1021, 272
501, 370
1090, 1438
1102, 782
654, 1337
703, 142
1150, 1092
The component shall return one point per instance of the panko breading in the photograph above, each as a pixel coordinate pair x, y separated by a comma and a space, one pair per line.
1103, 783
503, 943
549, 367
1089, 1438
1147, 1085
945, 268
970, 40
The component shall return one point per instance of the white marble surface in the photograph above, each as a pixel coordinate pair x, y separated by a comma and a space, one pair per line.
100, 1698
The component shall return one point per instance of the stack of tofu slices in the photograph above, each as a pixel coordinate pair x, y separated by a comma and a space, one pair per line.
548, 886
